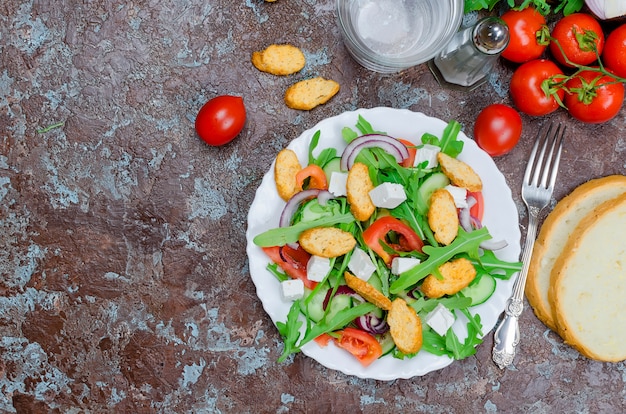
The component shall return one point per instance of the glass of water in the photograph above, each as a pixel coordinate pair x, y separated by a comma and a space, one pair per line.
388, 36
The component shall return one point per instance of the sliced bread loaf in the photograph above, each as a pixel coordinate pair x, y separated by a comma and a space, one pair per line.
555, 232
589, 282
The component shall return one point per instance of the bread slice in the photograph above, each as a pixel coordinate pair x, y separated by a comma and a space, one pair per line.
554, 234
589, 282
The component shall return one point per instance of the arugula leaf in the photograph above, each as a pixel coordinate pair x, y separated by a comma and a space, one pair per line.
494, 266
464, 243
290, 331
282, 235
341, 319
314, 141
278, 274
450, 145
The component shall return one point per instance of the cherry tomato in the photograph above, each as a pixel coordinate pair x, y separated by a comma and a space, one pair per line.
598, 104
478, 209
614, 54
378, 230
497, 129
528, 35
292, 261
221, 119
360, 344
316, 176
579, 35
526, 87
408, 162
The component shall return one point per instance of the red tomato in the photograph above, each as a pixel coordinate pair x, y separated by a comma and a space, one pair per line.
316, 176
412, 153
377, 232
221, 119
360, 344
593, 97
292, 261
498, 129
579, 35
614, 54
526, 87
478, 209
528, 35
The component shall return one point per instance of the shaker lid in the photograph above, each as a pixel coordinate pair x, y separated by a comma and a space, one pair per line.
491, 35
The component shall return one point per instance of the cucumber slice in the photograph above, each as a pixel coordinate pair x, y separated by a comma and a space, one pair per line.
334, 165
312, 210
386, 342
433, 182
337, 304
481, 290
315, 305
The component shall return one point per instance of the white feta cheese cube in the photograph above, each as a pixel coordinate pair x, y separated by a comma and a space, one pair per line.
459, 194
388, 195
361, 265
317, 268
337, 184
440, 319
292, 289
427, 153
402, 264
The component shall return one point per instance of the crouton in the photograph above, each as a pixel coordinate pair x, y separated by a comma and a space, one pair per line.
358, 187
307, 94
459, 173
405, 326
457, 274
327, 241
285, 170
443, 218
279, 59
367, 291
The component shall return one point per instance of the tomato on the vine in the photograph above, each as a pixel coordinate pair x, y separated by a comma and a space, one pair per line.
527, 87
497, 129
593, 97
529, 35
579, 35
614, 54
221, 119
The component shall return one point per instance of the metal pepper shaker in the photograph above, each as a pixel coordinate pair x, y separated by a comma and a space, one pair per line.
467, 59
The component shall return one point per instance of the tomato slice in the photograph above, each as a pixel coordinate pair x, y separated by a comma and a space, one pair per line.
409, 240
478, 209
408, 162
316, 175
359, 343
323, 340
292, 261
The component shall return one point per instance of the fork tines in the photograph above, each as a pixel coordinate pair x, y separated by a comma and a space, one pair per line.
551, 139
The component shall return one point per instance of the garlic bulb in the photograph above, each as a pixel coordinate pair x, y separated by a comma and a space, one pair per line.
607, 9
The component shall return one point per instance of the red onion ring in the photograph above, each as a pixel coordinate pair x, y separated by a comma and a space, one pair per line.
372, 324
389, 144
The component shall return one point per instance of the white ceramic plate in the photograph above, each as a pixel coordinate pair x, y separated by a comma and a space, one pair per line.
500, 217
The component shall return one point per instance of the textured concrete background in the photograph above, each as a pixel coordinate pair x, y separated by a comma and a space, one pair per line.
124, 284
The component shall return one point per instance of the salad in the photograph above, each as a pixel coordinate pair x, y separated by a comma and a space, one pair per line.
397, 244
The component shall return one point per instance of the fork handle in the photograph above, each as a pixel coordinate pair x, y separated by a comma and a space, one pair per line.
506, 336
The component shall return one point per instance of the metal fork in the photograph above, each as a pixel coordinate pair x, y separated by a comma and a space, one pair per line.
537, 189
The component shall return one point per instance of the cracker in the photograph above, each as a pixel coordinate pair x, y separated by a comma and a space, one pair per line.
443, 217
459, 173
367, 291
457, 275
307, 94
358, 187
327, 241
285, 169
279, 59
405, 326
